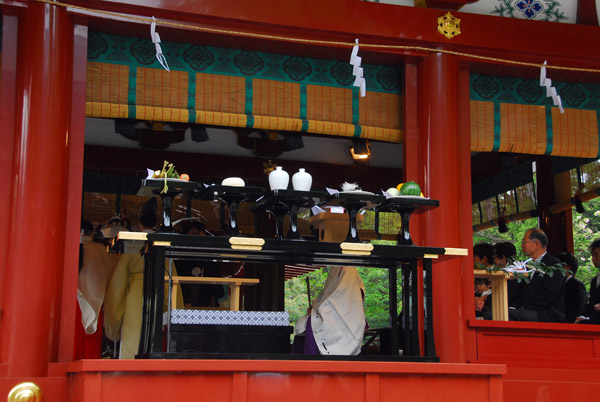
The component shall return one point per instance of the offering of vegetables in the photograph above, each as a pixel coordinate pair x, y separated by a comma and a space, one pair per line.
167, 172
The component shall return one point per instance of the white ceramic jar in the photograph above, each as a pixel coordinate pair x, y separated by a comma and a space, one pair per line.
301, 180
279, 179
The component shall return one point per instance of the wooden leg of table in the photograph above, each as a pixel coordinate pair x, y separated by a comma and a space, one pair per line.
174, 296
499, 299
234, 303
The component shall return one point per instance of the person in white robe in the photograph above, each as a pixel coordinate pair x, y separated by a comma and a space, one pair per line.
97, 267
337, 316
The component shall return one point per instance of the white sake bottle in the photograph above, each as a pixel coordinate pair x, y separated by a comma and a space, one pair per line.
279, 179
301, 180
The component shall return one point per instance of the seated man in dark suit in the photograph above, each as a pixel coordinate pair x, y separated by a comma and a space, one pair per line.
575, 293
544, 296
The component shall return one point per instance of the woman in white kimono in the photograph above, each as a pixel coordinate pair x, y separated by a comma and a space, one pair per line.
336, 324
124, 298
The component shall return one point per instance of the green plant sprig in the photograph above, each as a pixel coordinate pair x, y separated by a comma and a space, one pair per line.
538, 267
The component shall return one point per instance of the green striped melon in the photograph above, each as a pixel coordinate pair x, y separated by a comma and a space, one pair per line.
410, 188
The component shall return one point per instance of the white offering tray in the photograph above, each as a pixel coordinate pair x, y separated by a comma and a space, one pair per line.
416, 197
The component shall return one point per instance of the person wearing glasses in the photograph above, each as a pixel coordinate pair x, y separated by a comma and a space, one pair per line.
544, 296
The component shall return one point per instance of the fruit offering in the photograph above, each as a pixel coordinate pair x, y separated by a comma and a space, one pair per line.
393, 191
410, 188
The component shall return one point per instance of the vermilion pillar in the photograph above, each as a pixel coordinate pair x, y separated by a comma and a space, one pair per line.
441, 152
39, 177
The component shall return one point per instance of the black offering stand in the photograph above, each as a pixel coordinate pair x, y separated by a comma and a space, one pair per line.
282, 202
353, 201
175, 188
232, 196
406, 206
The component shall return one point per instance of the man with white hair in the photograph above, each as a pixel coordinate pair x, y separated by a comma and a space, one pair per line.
544, 296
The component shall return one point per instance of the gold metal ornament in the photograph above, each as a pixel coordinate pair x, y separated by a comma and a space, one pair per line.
268, 167
449, 25
25, 392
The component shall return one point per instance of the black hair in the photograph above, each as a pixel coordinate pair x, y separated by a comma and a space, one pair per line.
595, 244
539, 235
505, 250
86, 226
479, 281
484, 250
570, 260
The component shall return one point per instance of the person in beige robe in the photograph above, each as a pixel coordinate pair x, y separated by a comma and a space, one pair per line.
124, 300
337, 315
97, 267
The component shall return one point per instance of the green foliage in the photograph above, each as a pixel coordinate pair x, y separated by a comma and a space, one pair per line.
516, 231
549, 270
376, 292
586, 228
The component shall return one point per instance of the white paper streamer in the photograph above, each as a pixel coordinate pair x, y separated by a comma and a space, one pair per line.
156, 40
317, 210
519, 266
357, 71
550, 90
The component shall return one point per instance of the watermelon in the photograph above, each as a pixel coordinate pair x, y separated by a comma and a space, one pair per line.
410, 188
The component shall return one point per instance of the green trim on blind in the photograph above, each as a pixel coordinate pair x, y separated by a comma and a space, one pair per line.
525, 91
497, 127
131, 92
305, 125
303, 103
191, 97
249, 103
140, 52
221, 64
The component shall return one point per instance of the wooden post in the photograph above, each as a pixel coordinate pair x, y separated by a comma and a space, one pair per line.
441, 152
34, 268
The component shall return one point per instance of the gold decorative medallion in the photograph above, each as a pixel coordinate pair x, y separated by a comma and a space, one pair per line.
448, 25
268, 167
25, 392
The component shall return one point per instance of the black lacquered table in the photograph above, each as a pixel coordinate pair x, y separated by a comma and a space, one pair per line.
175, 188
405, 206
163, 246
282, 202
353, 201
232, 196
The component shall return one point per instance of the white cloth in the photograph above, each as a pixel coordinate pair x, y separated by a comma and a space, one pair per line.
338, 315
96, 271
